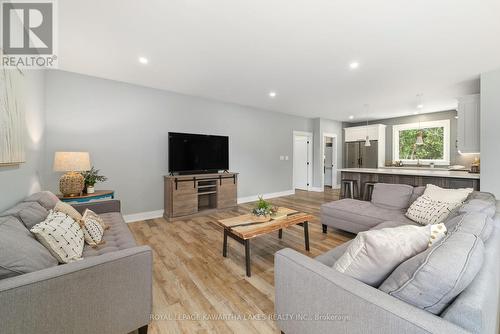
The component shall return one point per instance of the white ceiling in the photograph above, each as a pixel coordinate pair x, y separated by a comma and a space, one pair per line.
239, 50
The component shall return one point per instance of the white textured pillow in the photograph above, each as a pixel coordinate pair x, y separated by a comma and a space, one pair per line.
92, 227
447, 195
373, 255
61, 235
427, 211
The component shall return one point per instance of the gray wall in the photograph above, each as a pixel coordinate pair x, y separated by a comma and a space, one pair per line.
19, 181
490, 132
455, 157
124, 127
322, 126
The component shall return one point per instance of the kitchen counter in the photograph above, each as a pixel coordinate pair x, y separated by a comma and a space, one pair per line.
415, 172
411, 176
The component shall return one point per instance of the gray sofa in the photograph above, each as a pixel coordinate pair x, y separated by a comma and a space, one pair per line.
109, 291
312, 297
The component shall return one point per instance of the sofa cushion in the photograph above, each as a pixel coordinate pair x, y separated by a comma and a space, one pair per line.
477, 223
116, 237
361, 212
393, 223
374, 254
479, 205
29, 213
392, 196
329, 258
20, 253
417, 192
447, 195
45, 198
68, 210
433, 278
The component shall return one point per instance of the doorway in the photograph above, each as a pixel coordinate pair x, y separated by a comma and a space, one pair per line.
302, 160
329, 160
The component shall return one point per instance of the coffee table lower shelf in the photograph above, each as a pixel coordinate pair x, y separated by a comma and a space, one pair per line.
246, 243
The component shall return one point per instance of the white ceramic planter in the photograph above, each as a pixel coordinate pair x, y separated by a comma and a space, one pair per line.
90, 190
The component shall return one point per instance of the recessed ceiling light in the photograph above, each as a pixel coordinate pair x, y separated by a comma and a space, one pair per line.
143, 60
354, 65
351, 117
456, 117
420, 106
415, 113
272, 95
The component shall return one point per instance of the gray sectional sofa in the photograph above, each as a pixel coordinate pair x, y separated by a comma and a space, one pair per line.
109, 291
312, 297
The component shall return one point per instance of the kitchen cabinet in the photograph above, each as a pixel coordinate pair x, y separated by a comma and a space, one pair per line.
468, 124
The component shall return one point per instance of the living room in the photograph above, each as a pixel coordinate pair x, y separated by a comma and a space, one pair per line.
249, 167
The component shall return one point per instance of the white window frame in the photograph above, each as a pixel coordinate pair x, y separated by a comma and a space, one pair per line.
445, 124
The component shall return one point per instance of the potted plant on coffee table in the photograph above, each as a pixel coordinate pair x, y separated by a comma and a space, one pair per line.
91, 178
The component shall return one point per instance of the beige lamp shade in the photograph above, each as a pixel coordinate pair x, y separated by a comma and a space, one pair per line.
71, 161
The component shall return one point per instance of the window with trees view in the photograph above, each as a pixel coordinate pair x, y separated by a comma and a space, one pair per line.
435, 147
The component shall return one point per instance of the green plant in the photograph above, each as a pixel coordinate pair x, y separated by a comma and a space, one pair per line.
263, 208
92, 177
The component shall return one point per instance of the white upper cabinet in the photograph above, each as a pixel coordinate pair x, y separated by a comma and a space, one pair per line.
359, 133
468, 125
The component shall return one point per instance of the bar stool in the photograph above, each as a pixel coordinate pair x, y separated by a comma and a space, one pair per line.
350, 186
368, 191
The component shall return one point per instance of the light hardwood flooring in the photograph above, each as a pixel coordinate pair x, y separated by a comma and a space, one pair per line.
192, 279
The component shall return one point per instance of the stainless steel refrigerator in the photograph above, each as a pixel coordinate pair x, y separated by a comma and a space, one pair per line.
357, 155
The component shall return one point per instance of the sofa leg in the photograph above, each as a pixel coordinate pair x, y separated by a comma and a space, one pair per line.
143, 330
324, 227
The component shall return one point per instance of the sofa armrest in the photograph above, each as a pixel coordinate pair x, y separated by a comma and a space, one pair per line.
110, 293
112, 205
313, 298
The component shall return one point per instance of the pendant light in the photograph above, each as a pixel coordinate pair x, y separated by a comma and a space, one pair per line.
420, 133
367, 141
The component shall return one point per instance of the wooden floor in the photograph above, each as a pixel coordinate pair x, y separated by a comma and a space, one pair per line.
192, 279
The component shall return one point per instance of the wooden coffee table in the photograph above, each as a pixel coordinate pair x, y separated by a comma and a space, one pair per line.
245, 227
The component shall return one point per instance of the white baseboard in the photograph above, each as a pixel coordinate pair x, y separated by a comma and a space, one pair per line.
266, 196
316, 189
135, 217
337, 186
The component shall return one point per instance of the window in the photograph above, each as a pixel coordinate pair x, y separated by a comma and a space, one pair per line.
436, 146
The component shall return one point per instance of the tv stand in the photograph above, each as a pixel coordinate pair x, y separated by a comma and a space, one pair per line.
190, 195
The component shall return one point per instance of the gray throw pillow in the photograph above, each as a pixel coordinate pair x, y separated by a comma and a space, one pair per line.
392, 196
433, 278
417, 192
45, 198
477, 223
29, 213
20, 252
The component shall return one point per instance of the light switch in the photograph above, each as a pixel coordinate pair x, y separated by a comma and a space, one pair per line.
282, 157
286, 157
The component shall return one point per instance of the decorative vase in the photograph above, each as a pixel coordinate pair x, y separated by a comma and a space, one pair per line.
71, 184
90, 189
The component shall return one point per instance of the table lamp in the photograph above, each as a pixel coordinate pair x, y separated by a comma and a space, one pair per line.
72, 182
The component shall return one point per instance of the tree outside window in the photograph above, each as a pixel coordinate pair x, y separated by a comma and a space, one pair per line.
436, 147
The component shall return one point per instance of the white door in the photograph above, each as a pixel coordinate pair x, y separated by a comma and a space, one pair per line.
301, 163
328, 164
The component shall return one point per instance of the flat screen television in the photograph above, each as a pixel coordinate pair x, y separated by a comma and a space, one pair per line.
195, 153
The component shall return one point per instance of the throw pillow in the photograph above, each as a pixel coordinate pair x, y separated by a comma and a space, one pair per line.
91, 214
427, 211
20, 253
29, 213
447, 195
374, 254
61, 235
392, 196
69, 210
45, 198
92, 227
432, 279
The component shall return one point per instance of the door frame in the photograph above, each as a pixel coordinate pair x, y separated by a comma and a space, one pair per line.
334, 159
310, 169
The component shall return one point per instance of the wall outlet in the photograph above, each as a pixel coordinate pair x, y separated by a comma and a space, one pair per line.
286, 157
282, 157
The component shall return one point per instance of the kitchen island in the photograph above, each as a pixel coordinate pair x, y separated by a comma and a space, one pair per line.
412, 176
